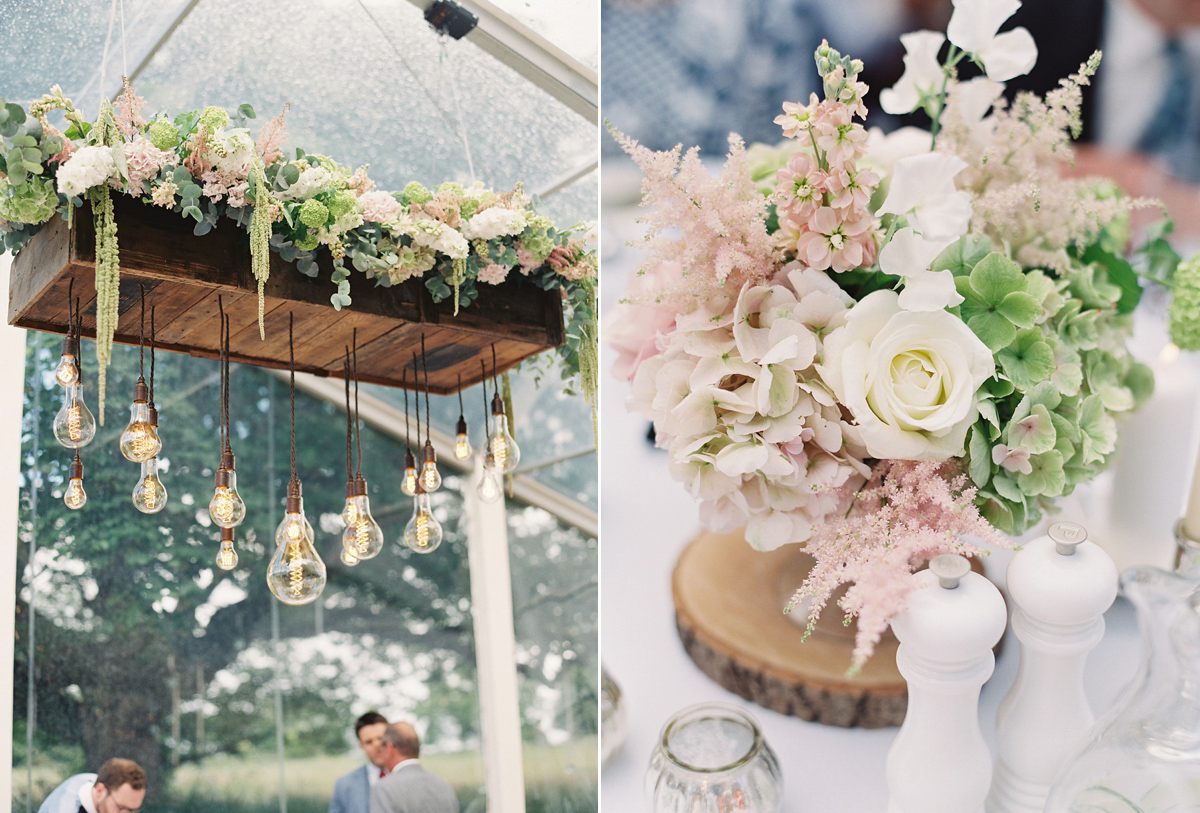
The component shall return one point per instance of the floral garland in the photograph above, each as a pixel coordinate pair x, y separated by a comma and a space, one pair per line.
874, 345
205, 166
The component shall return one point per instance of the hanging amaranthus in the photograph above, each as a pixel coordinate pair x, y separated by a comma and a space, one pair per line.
457, 277
108, 269
589, 354
260, 237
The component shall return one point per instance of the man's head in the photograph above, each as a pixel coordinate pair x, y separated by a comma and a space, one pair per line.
369, 728
401, 742
120, 787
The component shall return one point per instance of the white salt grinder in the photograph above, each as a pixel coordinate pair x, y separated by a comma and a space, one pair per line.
939, 762
1060, 585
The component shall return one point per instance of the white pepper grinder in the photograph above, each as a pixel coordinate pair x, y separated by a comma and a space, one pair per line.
1060, 585
939, 762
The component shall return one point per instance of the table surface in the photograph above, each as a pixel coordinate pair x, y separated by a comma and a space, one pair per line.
646, 520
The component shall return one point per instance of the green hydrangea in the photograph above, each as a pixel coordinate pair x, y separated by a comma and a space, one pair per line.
416, 193
31, 202
1184, 310
342, 203
539, 245
451, 188
163, 134
539, 222
214, 118
308, 242
313, 213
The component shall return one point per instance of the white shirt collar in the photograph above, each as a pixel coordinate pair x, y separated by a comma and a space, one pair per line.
403, 762
372, 774
85, 796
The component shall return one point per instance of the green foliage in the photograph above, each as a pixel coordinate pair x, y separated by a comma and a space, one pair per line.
31, 202
995, 302
1184, 310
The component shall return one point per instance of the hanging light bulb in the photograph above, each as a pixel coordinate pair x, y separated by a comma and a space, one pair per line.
423, 533
75, 497
67, 371
296, 574
74, 425
348, 557
431, 478
462, 443
226, 508
150, 495
140, 441
363, 535
408, 486
502, 448
489, 489
227, 557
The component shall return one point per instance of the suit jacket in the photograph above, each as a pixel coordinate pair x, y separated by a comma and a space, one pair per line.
412, 789
352, 792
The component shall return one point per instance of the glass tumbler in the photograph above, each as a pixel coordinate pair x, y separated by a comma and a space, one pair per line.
712, 758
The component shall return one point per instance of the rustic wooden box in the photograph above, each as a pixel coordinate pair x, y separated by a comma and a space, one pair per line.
183, 275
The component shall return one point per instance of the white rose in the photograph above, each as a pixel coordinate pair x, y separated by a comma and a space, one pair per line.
909, 379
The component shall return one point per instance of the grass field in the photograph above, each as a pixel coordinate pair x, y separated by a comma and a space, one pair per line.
560, 779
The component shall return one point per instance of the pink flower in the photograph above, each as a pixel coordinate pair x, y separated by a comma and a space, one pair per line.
237, 194
144, 160
797, 118
525, 259
164, 194
128, 108
838, 136
801, 185
379, 207
271, 139
634, 328
852, 188
493, 274
833, 243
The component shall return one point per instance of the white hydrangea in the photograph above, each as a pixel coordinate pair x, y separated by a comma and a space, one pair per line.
494, 222
231, 151
441, 238
310, 182
87, 167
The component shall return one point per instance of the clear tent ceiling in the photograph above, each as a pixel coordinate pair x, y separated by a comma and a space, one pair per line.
367, 82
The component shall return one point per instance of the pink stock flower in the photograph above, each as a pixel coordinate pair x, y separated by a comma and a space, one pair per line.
801, 185
144, 160
797, 118
493, 274
851, 188
838, 136
526, 261
834, 243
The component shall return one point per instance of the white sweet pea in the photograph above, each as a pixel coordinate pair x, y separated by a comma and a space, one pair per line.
973, 28
885, 149
909, 255
923, 75
970, 102
922, 189
909, 379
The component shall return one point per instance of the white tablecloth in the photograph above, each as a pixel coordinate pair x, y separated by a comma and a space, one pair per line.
646, 519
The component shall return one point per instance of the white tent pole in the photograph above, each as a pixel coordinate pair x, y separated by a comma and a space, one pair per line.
495, 645
12, 395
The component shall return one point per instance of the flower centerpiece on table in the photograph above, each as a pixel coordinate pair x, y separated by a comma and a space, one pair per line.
206, 166
887, 347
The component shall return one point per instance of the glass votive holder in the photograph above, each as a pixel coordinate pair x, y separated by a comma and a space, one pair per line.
712, 758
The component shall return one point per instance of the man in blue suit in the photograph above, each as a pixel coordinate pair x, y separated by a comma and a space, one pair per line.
352, 792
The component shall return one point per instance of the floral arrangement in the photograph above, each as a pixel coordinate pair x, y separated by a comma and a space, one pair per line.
206, 165
886, 347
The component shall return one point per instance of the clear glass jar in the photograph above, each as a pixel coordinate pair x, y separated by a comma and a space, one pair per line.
1144, 755
712, 758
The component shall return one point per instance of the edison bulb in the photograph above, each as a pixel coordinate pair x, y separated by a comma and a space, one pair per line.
489, 489
363, 535
226, 508
75, 497
462, 443
348, 557
74, 426
431, 478
296, 573
150, 495
67, 371
502, 448
227, 557
408, 486
423, 533
140, 441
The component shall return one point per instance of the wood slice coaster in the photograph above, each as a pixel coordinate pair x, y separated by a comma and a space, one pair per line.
729, 601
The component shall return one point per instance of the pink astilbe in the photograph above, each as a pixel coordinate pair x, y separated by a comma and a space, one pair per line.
722, 241
128, 109
908, 513
271, 138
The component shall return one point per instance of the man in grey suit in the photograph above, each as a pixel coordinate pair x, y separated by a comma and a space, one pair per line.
409, 788
352, 792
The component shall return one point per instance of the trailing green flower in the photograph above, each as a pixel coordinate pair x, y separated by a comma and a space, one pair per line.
260, 238
589, 355
1184, 310
108, 269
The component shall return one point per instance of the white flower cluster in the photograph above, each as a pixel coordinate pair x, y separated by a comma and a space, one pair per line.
311, 181
441, 238
736, 399
231, 152
87, 167
494, 222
